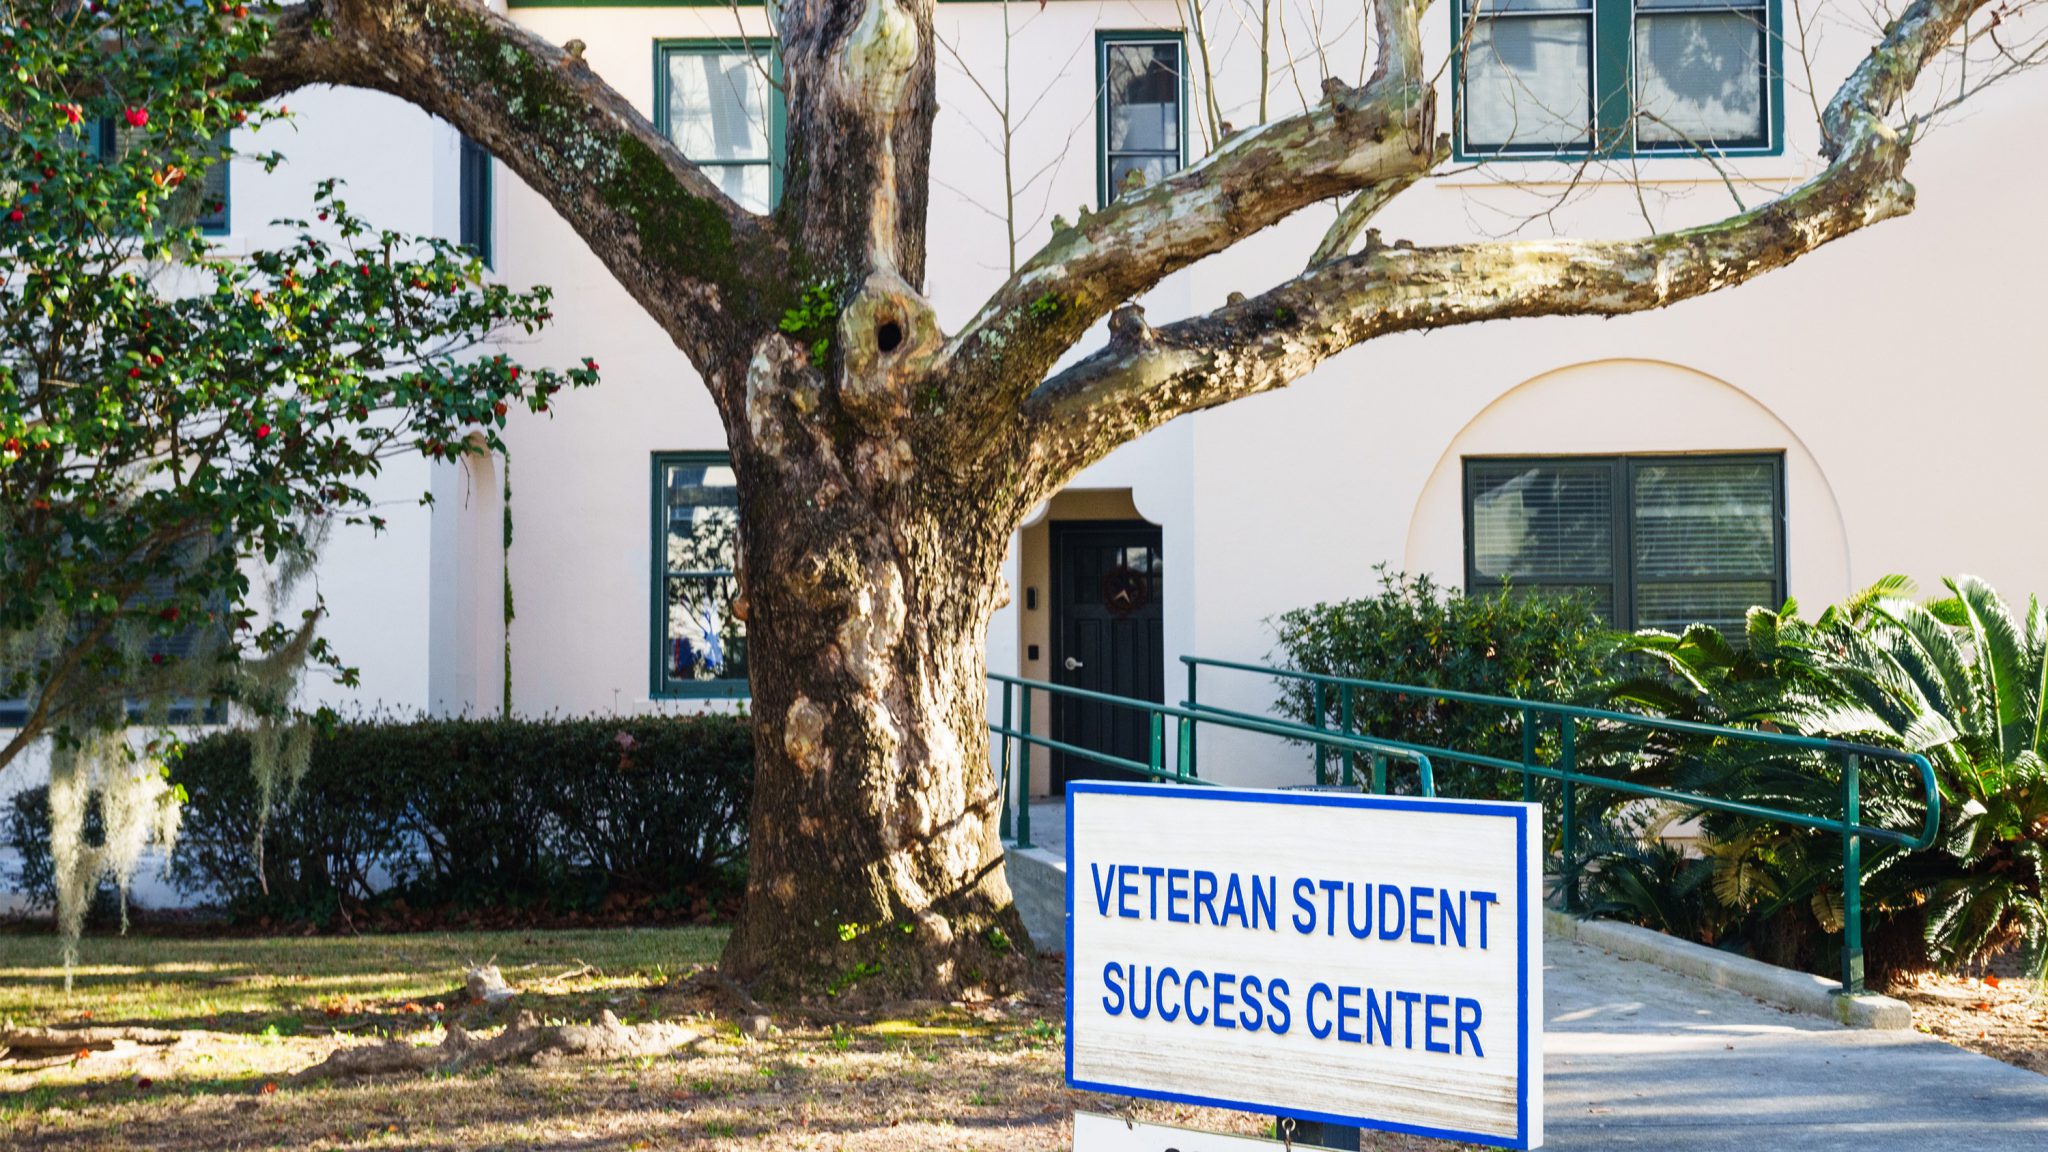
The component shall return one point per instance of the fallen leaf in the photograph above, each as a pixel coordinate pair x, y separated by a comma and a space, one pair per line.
1991, 980
269, 1088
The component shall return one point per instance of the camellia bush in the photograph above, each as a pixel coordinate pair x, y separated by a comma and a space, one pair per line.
174, 421
1414, 631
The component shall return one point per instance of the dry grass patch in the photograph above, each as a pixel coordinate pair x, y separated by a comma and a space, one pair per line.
2004, 1018
983, 1075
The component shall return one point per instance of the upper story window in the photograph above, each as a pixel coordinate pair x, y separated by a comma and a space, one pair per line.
700, 646
475, 229
1141, 112
1654, 541
107, 138
1617, 77
718, 100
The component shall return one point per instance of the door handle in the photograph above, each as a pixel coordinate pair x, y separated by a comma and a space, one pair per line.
1072, 663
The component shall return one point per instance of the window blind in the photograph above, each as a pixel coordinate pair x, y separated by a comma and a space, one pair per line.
1653, 542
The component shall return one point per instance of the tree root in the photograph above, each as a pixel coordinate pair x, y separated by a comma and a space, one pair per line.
525, 1040
40, 1043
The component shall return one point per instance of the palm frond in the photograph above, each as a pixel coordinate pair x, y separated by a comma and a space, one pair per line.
2001, 661
1888, 587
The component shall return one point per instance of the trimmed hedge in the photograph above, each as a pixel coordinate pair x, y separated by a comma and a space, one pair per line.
538, 816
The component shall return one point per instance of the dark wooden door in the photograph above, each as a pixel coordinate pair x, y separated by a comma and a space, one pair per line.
1106, 637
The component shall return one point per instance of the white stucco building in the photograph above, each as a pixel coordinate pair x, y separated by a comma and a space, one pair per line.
1867, 411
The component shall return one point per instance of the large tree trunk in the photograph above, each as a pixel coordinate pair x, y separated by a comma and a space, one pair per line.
869, 582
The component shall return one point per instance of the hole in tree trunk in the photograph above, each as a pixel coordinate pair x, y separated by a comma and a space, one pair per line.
888, 336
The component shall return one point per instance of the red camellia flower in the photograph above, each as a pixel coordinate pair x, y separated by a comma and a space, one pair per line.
16, 216
515, 371
72, 113
137, 117
263, 431
499, 407
135, 373
156, 657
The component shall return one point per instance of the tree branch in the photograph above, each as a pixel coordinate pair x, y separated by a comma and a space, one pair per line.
1146, 376
704, 268
1355, 139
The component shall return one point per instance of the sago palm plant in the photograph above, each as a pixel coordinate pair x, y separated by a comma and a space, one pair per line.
1959, 679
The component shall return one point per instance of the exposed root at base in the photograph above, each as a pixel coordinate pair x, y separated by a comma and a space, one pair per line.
526, 1039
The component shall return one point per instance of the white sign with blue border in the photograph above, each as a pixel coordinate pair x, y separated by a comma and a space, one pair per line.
1362, 960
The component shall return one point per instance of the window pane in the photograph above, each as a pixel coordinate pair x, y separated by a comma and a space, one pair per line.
1489, 7
1528, 82
1700, 78
474, 203
1542, 521
703, 641
213, 205
1705, 519
719, 105
1144, 98
752, 185
1726, 605
1153, 168
701, 638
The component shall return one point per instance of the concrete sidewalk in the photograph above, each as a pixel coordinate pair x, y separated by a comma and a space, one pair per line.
1637, 1056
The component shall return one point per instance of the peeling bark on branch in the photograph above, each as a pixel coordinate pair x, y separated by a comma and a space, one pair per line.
1273, 339
704, 268
1379, 136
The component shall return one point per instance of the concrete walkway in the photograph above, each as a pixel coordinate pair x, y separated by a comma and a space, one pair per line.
1637, 1056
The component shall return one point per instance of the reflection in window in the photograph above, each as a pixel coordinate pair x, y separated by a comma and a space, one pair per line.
1528, 75
1652, 541
1700, 72
1621, 76
720, 110
1141, 112
701, 644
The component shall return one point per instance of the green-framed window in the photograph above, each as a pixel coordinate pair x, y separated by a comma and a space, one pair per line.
1540, 78
1652, 541
1141, 113
476, 224
720, 101
700, 646
106, 137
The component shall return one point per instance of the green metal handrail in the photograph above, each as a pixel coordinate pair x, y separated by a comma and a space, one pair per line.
1154, 766
1848, 826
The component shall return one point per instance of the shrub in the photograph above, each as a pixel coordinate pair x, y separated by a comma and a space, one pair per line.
544, 816
1416, 632
1957, 678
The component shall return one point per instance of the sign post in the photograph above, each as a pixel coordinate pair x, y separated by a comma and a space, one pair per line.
1372, 961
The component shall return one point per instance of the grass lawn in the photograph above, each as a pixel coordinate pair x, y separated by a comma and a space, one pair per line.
983, 1075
